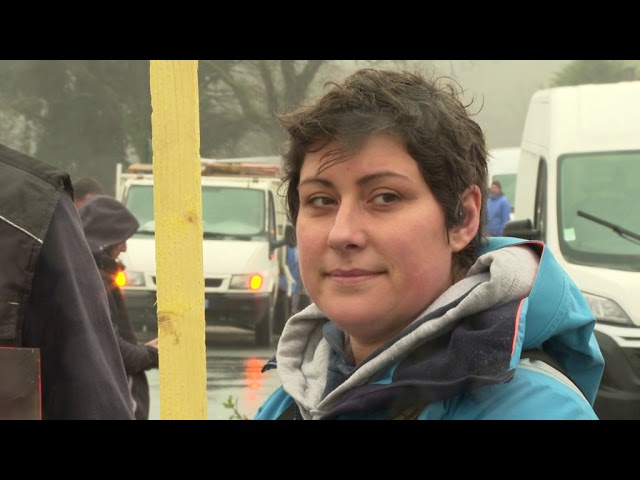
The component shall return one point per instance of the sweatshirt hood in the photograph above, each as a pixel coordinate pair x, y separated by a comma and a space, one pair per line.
106, 221
558, 320
468, 355
471, 336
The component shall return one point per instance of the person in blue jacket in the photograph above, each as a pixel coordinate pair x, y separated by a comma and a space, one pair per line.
417, 313
498, 210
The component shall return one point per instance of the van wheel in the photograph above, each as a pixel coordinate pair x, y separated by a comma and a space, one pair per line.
264, 328
282, 313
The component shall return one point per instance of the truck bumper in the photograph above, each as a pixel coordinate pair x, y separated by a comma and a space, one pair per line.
619, 394
242, 310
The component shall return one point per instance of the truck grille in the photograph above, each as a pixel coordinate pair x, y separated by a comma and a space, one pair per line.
208, 282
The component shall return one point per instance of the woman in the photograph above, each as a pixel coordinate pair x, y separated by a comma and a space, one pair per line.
416, 314
108, 224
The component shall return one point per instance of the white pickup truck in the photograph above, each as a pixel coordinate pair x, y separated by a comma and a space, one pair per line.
245, 231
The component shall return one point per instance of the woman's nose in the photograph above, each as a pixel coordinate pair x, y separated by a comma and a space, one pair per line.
347, 231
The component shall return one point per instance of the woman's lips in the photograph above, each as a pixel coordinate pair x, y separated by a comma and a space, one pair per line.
352, 277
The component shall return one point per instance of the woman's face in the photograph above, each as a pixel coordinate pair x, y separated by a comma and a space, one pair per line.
372, 241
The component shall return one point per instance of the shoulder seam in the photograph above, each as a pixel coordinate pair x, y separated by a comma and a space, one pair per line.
546, 369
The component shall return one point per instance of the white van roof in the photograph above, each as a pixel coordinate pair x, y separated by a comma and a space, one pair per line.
503, 160
586, 118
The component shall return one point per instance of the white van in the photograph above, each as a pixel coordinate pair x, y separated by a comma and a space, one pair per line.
578, 190
503, 166
245, 233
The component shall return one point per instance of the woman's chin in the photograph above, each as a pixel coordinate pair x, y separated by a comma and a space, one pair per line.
352, 314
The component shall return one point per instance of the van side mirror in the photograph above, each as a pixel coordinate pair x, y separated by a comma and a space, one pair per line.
288, 239
289, 235
521, 229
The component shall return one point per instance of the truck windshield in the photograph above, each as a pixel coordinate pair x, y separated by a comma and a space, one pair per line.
226, 211
605, 185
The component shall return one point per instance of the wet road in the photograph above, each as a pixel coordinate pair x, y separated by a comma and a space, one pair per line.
233, 368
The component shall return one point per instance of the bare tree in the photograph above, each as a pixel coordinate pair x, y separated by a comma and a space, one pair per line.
88, 115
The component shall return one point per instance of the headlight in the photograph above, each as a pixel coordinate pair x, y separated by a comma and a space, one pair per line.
134, 279
252, 281
606, 310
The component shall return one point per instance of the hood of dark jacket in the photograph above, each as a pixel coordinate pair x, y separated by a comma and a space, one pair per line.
106, 222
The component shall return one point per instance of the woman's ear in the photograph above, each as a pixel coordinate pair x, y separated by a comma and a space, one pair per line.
470, 206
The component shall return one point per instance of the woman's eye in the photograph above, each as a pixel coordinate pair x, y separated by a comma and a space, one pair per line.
385, 198
320, 201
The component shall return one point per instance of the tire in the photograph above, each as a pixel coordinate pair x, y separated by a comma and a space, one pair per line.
264, 328
282, 313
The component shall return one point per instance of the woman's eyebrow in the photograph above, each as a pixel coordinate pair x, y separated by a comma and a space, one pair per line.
367, 179
322, 181
374, 177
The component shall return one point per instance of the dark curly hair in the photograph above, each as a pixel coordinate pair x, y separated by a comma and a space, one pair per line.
426, 114
85, 186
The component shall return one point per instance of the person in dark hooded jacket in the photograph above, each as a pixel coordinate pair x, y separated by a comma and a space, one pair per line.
108, 224
50, 299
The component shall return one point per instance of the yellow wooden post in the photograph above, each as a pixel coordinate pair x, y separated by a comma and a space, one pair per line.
177, 190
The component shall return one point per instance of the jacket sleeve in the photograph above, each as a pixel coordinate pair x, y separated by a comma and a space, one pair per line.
67, 317
137, 358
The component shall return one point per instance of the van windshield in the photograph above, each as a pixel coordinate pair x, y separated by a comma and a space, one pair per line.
605, 185
226, 211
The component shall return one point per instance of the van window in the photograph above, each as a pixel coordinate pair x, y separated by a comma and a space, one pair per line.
233, 211
139, 200
605, 185
225, 210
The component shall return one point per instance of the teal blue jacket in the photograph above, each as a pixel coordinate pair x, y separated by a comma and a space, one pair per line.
471, 368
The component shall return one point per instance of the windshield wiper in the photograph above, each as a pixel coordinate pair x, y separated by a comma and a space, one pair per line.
211, 235
226, 236
623, 232
146, 232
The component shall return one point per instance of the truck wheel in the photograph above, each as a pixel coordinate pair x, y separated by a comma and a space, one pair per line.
264, 328
282, 314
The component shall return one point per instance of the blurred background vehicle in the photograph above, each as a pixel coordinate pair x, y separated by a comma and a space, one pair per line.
244, 245
578, 187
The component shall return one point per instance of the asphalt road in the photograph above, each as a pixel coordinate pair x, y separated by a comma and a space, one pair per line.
233, 370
